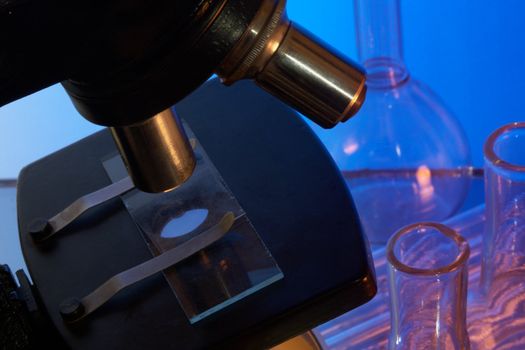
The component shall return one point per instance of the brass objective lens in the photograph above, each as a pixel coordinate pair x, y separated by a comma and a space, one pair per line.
292, 64
157, 153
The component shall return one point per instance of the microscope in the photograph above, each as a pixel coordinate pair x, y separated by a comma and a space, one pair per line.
292, 254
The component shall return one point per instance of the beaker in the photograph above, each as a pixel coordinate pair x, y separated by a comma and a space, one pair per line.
428, 277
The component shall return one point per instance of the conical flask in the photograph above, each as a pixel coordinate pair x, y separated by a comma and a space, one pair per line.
404, 155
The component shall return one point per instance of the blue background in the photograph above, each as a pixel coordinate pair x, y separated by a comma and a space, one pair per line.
471, 52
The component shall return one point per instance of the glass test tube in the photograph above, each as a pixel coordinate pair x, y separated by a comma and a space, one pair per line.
497, 321
504, 241
428, 277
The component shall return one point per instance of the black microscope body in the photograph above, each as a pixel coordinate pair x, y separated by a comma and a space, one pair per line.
125, 62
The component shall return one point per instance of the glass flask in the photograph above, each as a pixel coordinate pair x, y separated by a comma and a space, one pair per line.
499, 314
403, 156
428, 277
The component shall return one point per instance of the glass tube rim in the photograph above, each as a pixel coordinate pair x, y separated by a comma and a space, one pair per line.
490, 154
459, 261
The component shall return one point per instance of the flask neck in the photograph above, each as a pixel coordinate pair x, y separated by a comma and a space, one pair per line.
378, 28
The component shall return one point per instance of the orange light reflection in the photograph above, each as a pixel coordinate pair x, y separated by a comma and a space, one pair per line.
424, 181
